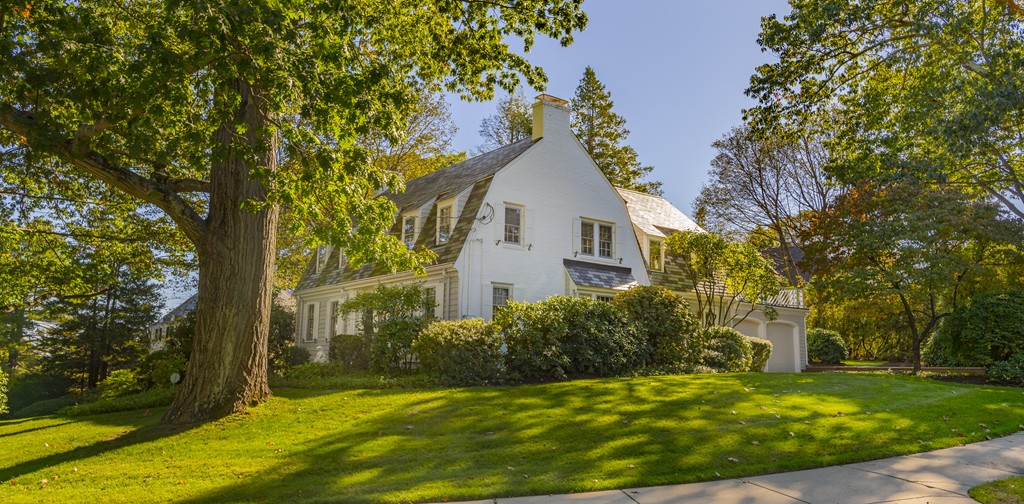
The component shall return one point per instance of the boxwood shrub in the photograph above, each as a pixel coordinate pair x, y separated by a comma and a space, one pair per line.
533, 350
460, 352
665, 323
761, 351
391, 346
825, 346
727, 350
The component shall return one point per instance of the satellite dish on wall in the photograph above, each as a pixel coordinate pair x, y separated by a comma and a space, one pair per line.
175, 378
487, 215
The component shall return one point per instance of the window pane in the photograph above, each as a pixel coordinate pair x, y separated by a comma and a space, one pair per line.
513, 223
444, 224
605, 242
309, 322
587, 238
655, 260
500, 297
429, 300
332, 320
409, 232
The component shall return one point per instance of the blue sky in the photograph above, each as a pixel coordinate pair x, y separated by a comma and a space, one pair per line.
676, 70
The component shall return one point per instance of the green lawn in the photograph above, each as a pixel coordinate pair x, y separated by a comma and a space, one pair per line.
1006, 491
415, 445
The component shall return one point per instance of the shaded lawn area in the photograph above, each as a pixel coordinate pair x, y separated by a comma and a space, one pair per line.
416, 445
1006, 491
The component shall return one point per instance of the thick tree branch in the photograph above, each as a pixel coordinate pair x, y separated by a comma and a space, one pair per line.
96, 165
187, 185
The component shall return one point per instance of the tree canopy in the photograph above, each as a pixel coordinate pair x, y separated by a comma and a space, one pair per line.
210, 114
602, 132
511, 122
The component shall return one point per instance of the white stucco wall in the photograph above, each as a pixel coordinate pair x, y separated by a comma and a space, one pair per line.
557, 184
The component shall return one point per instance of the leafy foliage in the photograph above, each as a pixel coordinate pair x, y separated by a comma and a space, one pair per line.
989, 330
3, 392
154, 398
825, 346
510, 123
387, 302
1008, 371
664, 320
460, 352
724, 275
760, 352
727, 350
391, 346
602, 132
350, 351
120, 383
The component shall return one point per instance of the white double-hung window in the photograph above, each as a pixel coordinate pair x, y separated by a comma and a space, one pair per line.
599, 237
513, 224
409, 231
444, 222
656, 254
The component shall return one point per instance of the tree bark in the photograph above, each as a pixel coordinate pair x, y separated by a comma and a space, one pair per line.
228, 368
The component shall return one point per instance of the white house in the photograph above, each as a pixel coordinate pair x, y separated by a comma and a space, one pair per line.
524, 222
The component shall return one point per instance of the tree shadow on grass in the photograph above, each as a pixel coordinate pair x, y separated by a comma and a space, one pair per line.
32, 429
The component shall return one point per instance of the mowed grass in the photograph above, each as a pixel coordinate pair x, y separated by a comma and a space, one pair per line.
1005, 491
432, 445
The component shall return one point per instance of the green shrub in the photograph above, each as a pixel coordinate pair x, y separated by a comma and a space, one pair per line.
1009, 371
595, 336
460, 353
761, 352
142, 400
120, 383
27, 389
391, 347
3, 392
989, 330
44, 407
297, 356
825, 346
333, 376
532, 342
350, 351
727, 350
665, 322
156, 368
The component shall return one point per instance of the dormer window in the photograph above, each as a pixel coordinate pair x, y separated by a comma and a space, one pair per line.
409, 231
444, 222
655, 254
321, 258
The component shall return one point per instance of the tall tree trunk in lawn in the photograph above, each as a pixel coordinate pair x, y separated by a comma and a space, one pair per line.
228, 368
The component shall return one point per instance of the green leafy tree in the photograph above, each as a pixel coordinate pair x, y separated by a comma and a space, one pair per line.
731, 279
915, 242
211, 114
934, 88
511, 123
602, 132
15, 331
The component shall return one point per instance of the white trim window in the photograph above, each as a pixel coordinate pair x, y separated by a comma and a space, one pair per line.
605, 238
513, 224
321, 258
332, 320
310, 322
444, 222
409, 231
655, 254
501, 294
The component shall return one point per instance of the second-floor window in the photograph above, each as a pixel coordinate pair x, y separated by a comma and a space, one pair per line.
657, 255
409, 231
444, 223
513, 224
590, 232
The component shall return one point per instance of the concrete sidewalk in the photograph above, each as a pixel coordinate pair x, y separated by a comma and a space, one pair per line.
937, 477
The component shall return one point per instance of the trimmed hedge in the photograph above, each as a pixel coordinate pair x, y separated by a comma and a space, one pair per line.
727, 350
532, 342
350, 351
392, 344
825, 346
460, 352
761, 351
666, 324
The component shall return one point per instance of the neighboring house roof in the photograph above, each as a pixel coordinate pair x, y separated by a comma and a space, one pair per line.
585, 274
475, 173
654, 215
180, 311
779, 263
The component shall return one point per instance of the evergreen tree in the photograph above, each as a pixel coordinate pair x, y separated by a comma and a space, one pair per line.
511, 123
602, 133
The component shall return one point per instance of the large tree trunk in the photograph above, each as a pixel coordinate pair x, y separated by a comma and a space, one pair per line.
228, 368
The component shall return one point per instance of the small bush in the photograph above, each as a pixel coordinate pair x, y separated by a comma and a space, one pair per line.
825, 346
142, 400
350, 351
297, 356
665, 322
727, 350
3, 392
120, 383
157, 368
460, 353
1009, 371
391, 347
761, 352
27, 389
532, 342
989, 330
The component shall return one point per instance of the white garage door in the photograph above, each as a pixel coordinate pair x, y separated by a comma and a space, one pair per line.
783, 338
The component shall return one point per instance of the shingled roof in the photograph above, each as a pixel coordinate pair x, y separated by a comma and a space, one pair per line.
475, 173
585, 274
654, 215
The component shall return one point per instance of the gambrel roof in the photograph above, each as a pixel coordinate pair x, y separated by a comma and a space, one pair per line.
474, 174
